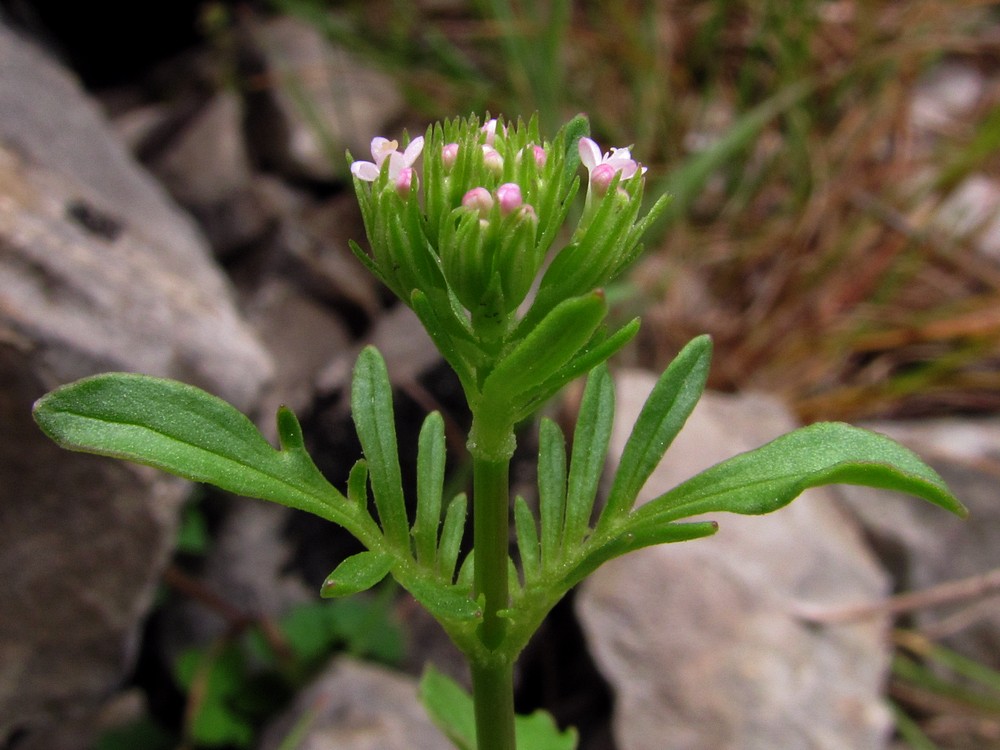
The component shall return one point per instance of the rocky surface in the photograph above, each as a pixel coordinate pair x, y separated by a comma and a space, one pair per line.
923, 548
356, 706
700, 641
100, 272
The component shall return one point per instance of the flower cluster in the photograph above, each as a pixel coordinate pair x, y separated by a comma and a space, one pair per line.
478, 222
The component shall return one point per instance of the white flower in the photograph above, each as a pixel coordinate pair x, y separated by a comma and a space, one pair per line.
618, 160
383, 149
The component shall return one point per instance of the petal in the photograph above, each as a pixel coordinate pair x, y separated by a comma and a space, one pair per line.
628, 169
378, 146
365, 170
381, 148
590, 153
396, 164
413, 151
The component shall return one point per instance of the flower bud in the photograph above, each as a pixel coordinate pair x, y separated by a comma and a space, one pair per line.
509, 197
601, 178
479, 199
449, 153
492, 160
405, 181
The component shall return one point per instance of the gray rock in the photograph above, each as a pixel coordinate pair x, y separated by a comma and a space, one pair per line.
357, 706
323, 101
207, 169
923, 546
699, 641
100, 271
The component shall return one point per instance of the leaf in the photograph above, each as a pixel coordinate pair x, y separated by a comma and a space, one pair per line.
371, 407
445, 601
547, 348
666, 410
629, 540
449, 707
452, 532
430, 485
452, 711
598, 350
185, 431
590, 449
551, 489
527, 539
357, 573
765, 479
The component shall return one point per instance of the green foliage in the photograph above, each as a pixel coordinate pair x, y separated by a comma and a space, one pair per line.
234, 685
451, 709
143, 733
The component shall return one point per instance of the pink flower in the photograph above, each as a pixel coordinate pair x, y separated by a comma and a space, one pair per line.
383, 149
490, 129
603, 167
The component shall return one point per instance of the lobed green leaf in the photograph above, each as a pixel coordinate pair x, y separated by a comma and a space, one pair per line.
185, 431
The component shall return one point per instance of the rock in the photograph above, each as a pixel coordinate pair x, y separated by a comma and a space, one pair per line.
304, 337
100, 271
972, 212
321, 102
699, 641
357, 706
923, 546
207, 169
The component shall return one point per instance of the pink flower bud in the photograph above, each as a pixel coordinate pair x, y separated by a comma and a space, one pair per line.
540, 156
449, 153
404, 181
509, 197
527, 213
492, 159
478, 199
601, 177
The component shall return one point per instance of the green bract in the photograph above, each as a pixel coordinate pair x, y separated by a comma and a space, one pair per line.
463, 243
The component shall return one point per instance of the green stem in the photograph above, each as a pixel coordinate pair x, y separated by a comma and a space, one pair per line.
492, 668
493, 696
